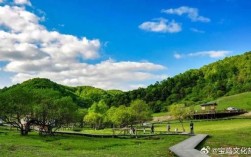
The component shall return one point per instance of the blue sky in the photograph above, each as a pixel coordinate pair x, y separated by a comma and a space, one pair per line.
122, 44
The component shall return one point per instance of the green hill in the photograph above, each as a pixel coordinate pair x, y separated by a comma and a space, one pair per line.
226, 77
229, 76
240, 101
83, 96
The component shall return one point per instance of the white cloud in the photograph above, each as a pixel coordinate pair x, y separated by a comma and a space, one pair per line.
192, 13
197, 30
211, 54
22, 2
177, 55
31, 50
1, 1
136, 86
107, 74
161, 25
25, 36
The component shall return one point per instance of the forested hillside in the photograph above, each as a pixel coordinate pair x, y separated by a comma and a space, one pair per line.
83, 96
225, 77
229, 76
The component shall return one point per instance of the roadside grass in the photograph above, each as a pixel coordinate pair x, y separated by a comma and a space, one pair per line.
33, 145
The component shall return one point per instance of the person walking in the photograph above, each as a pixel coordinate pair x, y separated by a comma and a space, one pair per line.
191, 127
168, 127
152, 129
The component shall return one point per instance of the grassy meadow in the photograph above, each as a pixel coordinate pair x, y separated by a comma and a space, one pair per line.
33, 145
222, 132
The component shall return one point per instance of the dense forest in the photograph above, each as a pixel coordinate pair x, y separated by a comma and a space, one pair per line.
229, 76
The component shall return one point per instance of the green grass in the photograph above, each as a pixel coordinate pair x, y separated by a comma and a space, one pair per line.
160, 114
106, 131
240, 101
33, 145
222, 133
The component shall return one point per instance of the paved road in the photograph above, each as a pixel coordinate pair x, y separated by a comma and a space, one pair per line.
186, 148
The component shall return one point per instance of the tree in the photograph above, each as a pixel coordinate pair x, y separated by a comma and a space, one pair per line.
81, 113
16, 108
96, 114
65, 112
180, 112
140, 111
119, 115
51, 111
94, 119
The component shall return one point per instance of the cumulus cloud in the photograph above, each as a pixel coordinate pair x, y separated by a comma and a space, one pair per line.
191, 13
31, 50
22, 2
211, 54
161, 25
107, 74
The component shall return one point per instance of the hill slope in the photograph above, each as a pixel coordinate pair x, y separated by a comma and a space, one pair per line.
229, 76
83, 96
240, 101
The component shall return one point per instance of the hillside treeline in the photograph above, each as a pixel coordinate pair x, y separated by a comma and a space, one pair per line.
229, 76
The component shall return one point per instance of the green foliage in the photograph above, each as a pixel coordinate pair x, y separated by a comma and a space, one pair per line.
140, 111
89, 95
120, 116
81, 113
65, 111
222, 78
180, 112
225, 77
16, 105
96, 114
137, 112
52, 110
43, 107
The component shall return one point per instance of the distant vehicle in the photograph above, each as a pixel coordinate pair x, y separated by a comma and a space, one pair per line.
232, 109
